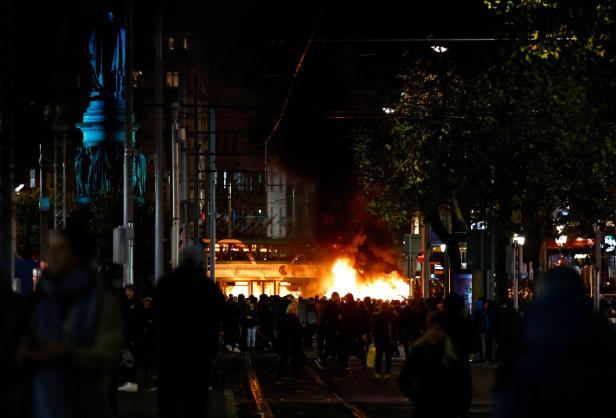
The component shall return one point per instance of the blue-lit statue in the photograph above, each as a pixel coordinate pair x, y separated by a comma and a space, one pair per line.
139, 173
107, 49
100, 169
99, 162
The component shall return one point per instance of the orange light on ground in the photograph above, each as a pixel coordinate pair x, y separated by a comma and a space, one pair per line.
344, 278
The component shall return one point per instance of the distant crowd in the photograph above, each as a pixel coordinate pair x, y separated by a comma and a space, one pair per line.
68, 348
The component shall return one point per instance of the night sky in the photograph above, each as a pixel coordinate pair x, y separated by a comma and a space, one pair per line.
251, 49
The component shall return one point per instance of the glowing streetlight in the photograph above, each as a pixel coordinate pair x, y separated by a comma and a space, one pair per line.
439, 49
519, 239
388, 110
18, 188
561, 240
443, 247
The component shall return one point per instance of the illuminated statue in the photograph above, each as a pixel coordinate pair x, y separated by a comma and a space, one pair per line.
107, 57
139, 173
98, 175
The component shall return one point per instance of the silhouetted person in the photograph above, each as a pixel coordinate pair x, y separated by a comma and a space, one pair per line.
72, 335
290, 341
429, 377
328, 329
566, 367
464, 340
508, 337
351, 332
132, 314
385, 336
188, 311
10, 308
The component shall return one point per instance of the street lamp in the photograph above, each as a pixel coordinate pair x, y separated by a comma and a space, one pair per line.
561, 240
518, 241
439, 49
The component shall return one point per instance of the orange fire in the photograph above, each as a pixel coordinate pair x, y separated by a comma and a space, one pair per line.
344, 278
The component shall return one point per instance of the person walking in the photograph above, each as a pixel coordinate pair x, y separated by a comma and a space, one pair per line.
311, 324
251, 326
328, 329
132, 315
189, 309
565, 368
290, 341
479, 317
385, 335
232, 325
352, 334
71, 335
406, 326
10, 309
439, 364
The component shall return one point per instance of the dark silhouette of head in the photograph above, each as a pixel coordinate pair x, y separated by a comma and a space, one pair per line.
559, 282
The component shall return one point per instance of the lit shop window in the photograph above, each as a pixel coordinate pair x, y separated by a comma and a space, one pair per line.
173, 79
171, 43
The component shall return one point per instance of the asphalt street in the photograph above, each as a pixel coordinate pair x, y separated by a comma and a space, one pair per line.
245, 385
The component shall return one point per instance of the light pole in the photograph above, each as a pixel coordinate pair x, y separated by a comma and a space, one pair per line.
596, 280
427, 249
127, 201
175, 186
518, 243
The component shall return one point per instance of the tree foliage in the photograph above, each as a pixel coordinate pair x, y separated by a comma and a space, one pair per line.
510, 134
28, 224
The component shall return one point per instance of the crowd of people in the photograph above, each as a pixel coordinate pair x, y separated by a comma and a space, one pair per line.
73, 343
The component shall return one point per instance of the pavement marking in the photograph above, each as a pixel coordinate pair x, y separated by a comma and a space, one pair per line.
357, 413
255, 387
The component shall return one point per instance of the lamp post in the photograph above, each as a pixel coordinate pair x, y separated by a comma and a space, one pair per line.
518, 243
446, 271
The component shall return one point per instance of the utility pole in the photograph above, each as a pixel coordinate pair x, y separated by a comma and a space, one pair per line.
7, 96
184, 220
229, 206
516, 276
159, 228
44, 205
59, 177
196, 175
596, 283
427, 247
127, 207
212, 214
175, 186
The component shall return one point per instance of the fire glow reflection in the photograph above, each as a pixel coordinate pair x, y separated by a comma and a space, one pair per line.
344, 278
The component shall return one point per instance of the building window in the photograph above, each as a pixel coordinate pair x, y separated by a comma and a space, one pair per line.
173, 79
32, 178
186, 43
171, 43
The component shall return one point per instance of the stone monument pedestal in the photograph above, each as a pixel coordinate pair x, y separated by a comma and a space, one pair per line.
98, 163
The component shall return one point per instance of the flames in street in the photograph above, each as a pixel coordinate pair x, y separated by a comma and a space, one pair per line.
344, 278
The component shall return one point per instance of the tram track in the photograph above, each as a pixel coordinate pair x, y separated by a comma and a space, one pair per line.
354, 409
264, 408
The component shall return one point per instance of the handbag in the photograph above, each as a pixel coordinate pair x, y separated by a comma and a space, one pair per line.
371, 356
